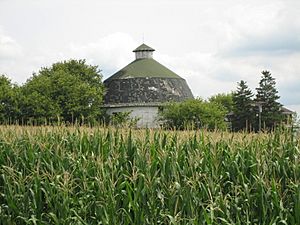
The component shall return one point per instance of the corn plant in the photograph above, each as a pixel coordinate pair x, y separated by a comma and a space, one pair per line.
76, 175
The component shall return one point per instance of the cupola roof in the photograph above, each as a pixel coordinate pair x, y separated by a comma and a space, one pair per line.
143, 47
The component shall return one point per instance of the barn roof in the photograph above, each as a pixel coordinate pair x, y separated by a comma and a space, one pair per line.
145, 82
286, 111
146, 67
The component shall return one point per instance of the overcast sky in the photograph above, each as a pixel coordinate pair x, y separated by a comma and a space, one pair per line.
213, 44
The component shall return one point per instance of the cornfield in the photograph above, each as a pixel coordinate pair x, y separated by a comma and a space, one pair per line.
60, 175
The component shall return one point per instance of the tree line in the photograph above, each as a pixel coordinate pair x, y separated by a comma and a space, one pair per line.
72, 92
260, 112
241, 109
69, 91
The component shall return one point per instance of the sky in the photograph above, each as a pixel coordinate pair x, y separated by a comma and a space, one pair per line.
212, 44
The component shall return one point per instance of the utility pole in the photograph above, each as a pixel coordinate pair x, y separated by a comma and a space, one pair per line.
259, 116
259, 104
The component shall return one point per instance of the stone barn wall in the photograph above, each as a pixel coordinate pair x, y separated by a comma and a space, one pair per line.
146, 90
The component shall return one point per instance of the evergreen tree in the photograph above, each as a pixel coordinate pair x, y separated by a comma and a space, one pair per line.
268, 96
243, 116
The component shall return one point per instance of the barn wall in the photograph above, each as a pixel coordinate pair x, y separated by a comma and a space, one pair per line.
146, 90
148, 115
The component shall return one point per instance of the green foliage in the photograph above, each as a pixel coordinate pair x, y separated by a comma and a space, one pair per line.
268, 94
194, 113
223, 99
243, 117
75, 176
122, 119
9, 94
69, 90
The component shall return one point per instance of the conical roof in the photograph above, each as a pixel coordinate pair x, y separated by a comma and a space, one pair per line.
146, 67
145, 81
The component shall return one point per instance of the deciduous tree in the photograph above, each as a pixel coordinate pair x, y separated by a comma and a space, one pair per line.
194, 113
70, 90
223, 99
9, 109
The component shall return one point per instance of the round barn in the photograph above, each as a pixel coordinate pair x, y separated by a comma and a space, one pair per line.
143, 87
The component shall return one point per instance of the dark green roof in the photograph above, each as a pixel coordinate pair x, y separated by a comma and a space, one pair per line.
144, 68
143, 47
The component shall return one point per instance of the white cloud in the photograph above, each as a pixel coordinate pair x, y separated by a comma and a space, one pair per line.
9, 48
110, 52
10, 54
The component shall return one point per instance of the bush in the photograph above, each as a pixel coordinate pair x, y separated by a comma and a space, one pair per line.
194, 113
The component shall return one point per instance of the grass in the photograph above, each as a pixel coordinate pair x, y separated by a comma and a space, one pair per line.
59, 175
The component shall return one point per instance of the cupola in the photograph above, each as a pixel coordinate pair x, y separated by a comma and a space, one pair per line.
143, 52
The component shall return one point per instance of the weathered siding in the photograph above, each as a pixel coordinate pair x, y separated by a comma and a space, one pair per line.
146, 90
148, 116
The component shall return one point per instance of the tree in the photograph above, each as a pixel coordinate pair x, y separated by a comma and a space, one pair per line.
268, 96
243, 115
223, 99
194, 113
69, 90
9, 110
122, 119
37, 102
